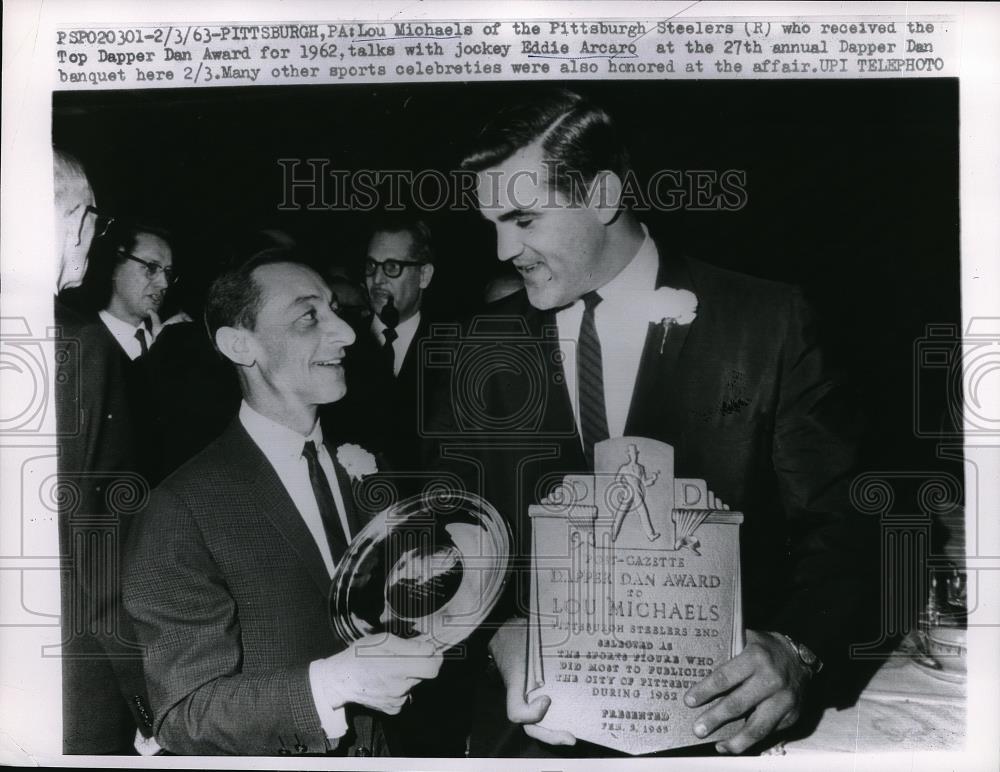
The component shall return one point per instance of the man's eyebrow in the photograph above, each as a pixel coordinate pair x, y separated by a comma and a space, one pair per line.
513, 214
303, 299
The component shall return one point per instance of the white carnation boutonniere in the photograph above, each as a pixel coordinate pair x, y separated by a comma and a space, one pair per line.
669, 306
357, 461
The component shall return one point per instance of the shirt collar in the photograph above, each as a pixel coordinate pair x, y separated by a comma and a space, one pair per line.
118, 327
636, 277
278, 443
402, 329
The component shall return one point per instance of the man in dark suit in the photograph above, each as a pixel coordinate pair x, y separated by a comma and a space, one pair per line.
181, 395
229, 569
143, 272
384, 373
399, 268
132, 273
104, 695
632, 339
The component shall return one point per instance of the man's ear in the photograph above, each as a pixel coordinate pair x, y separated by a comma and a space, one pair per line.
236, 345
606, 195
426, 274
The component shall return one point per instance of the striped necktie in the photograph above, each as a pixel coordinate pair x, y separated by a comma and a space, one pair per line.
590, 378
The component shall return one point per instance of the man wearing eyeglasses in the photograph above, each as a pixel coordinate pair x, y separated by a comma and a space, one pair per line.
381, 406
160, 369
398, 269
142, 274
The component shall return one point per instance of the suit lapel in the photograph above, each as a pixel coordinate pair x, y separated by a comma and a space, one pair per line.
660, 356
409, 367
255, 472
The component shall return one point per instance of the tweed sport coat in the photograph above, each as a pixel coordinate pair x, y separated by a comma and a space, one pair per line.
229, 596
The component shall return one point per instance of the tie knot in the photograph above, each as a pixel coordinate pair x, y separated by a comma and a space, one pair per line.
390, 334
309, 450
591, 300
140, 335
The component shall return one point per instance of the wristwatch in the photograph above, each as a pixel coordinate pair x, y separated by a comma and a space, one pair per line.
806, 655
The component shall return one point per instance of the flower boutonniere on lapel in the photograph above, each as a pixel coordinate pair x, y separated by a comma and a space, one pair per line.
671, 306
357, 461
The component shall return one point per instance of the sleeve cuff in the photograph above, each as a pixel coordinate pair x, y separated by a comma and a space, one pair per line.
145, 746
333, 720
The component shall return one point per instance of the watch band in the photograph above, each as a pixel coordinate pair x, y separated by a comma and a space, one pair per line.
806, 655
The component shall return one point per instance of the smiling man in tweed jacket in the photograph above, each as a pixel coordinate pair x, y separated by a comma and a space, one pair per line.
228, 574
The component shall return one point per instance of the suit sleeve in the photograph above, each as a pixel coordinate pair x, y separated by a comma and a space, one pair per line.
815, 458
188, 623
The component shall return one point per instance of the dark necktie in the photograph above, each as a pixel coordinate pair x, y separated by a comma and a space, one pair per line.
324, 499
590, 379
140, 336
388, 353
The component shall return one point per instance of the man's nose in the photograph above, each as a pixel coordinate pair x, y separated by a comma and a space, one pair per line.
160, 280
509, 244
339, 330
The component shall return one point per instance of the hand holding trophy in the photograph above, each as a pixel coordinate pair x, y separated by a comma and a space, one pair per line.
429, 568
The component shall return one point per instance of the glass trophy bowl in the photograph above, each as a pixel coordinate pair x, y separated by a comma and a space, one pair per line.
430, 567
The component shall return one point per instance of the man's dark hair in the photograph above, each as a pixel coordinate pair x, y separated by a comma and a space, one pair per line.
578, 138
107, 253
422, 249
234, 297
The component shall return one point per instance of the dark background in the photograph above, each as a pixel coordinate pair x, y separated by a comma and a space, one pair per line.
852, 193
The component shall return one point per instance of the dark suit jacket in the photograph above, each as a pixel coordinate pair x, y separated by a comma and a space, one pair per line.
747, 400
230, 599
104, 695
143, 400
181, 395
192, 394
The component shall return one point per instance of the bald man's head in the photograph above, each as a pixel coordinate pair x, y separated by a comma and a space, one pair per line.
74, 227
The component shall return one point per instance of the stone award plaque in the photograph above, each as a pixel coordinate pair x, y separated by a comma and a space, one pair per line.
635, 597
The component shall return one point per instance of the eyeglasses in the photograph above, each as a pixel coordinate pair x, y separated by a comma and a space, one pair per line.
152, 269
102, 222
391, 268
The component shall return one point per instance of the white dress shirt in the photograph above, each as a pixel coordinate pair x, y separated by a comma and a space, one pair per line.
283, 449
620, 329
124, 333
405, 332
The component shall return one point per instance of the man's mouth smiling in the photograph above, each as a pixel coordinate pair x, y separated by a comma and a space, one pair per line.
526, 269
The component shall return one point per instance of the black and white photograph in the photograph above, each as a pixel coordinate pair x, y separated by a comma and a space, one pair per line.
532, 419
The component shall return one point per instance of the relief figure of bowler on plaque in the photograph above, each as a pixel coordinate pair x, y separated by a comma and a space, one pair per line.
635, 598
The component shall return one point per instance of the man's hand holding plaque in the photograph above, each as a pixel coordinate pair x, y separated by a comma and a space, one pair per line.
508, 647
766, 681
635, 604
